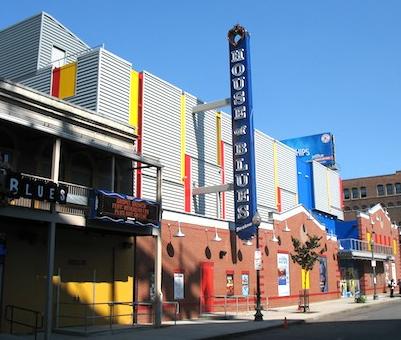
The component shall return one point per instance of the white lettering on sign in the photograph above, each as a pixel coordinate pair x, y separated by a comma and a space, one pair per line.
237, 55
238, 69
240, 131
242, 212
240, 148
239, 112
239, 98
243, 195
240, 164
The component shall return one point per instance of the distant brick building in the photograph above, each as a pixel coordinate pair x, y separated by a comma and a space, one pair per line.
363, 193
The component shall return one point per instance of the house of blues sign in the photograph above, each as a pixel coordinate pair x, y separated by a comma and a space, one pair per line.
243, 134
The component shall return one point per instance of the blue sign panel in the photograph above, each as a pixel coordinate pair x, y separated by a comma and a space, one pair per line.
319, 148
113, 207
243, 134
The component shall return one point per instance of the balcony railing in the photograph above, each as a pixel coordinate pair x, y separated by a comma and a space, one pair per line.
355, 245
77, 199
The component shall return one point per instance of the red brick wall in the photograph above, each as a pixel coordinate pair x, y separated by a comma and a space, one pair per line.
187, 253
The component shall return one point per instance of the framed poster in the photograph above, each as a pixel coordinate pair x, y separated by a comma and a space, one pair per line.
229, 284
245, 284
323, 274
178, 286
283, 272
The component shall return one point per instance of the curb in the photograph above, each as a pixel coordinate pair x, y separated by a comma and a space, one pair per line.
252, 331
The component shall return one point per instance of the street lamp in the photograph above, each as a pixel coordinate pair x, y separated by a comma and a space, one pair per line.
372, 245
256, 220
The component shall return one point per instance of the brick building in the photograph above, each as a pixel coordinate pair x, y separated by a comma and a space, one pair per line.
363, 193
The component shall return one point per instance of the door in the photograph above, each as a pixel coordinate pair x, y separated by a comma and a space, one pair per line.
207, 286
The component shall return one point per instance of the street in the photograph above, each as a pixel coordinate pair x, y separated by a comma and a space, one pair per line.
372, 322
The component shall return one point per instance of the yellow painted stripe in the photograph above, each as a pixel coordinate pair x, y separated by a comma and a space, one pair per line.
133, 103
394, 247
368, 238
183, 135
218, 137
275, 161
68, 78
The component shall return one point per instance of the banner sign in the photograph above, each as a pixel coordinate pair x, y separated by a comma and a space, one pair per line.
242, 132
110, 206
283, 272
319, 148
18, 185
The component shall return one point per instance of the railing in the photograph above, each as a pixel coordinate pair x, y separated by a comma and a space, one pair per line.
77, 199
237, 303
352, 244
37, 316
88, 316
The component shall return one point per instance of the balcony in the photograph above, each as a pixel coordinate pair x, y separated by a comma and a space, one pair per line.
77, 200
356, 249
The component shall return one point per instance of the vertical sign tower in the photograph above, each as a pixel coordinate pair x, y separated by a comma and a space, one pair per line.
243, 134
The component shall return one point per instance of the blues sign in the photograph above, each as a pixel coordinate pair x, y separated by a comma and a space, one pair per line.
243, 134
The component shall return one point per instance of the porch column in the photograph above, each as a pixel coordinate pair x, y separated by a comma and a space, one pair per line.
51, 243
113, 173
158, 257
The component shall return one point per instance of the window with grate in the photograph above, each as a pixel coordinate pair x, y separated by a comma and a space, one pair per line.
355, 193
363, 192
346, 194
390, 189
398, 188
380, 190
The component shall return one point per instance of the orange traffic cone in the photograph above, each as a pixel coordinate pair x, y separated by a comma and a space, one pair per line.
285, 324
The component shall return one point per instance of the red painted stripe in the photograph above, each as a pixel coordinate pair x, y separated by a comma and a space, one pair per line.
278, 199
187, 184
223, 181
56, 82
140, 131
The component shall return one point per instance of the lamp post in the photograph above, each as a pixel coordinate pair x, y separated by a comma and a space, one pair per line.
372, 245
258, 315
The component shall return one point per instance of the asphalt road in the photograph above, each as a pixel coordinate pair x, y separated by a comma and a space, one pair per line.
381, 321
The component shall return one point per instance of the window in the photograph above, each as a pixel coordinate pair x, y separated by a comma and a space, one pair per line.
398, 188
364, 207
363, 192
380, 190
390, 204
58, 57
347, 208
355, 193
346, 194
355, 207
390, 189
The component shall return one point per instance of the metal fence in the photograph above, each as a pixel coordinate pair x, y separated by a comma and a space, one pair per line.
234, 304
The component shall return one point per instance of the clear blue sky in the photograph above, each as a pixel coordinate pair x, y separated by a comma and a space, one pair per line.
317, 66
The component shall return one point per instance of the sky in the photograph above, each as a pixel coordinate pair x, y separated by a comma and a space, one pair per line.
317, 66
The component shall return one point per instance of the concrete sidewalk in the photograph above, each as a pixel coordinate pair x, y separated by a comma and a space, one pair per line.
241, 323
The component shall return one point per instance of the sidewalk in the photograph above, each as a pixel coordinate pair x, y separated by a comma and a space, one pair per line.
241, 323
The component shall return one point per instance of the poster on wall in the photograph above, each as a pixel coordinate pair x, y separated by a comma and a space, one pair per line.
283, 271
178, 286
245, 284
230, 284
323, 274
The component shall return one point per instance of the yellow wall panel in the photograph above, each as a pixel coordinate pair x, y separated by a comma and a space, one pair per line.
218, 137
134, 100
183, 135
68, 79
305, 285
